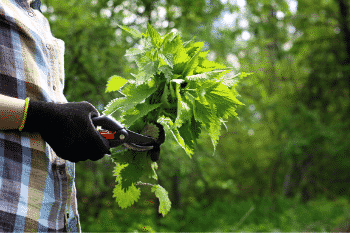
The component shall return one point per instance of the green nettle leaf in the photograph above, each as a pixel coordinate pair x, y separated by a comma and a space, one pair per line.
184, 112
115, 83
226, 106
175, 47
191, 65
138, 112
167, 72
126, 199
162, 195
168, 38
135, 95
165, 99
168, 59
243, 75
132, 173
134, 51
150, 170
151, 68
186, 132
132, 31
177, 86
155, 37
143, 60
142, 76
172, 91
189, 43
195, 129
170, 127
207, 75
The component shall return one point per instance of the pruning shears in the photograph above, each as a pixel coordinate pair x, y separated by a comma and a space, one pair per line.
118, 135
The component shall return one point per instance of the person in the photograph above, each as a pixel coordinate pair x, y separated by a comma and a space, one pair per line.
42, 136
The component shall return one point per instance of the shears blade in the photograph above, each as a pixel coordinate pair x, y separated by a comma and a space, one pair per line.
118, 135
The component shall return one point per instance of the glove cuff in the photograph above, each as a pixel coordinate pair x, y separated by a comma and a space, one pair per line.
36, 115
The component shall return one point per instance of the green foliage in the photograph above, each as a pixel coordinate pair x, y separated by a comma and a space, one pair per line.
204, 95
313, 59
258, 214
176, 86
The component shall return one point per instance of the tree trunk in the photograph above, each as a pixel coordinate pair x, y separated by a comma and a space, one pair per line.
276, 166
344, 17
288, 184
177, 203
295, 176
273, 189
344, 26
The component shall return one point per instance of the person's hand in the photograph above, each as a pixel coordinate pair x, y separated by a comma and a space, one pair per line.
156, 131
68, 129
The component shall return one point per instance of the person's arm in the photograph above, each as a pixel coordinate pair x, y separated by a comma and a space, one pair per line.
11, 112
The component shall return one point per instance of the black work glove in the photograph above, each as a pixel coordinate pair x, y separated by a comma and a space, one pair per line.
68, 129
159, 135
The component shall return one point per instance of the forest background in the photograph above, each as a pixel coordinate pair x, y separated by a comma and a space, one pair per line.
282, 166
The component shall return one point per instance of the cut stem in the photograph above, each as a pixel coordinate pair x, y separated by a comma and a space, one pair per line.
140, 183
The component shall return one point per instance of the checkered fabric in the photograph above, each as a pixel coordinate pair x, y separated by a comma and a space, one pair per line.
37, 188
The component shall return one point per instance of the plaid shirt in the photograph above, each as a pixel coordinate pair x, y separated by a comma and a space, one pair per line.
37, 188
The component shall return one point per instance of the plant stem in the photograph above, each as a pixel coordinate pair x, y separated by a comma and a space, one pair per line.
140, 183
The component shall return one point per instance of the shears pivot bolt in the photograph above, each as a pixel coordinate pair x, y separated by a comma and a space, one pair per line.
122, 137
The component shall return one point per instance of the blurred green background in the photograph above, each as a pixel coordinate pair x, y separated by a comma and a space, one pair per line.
282, 166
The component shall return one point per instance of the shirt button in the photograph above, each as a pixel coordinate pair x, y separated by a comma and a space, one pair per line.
54, 88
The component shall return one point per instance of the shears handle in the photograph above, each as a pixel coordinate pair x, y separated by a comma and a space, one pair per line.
109, 123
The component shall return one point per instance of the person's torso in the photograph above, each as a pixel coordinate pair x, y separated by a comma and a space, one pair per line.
36, 186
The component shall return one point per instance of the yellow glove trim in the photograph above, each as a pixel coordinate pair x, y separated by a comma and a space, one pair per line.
25, 114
